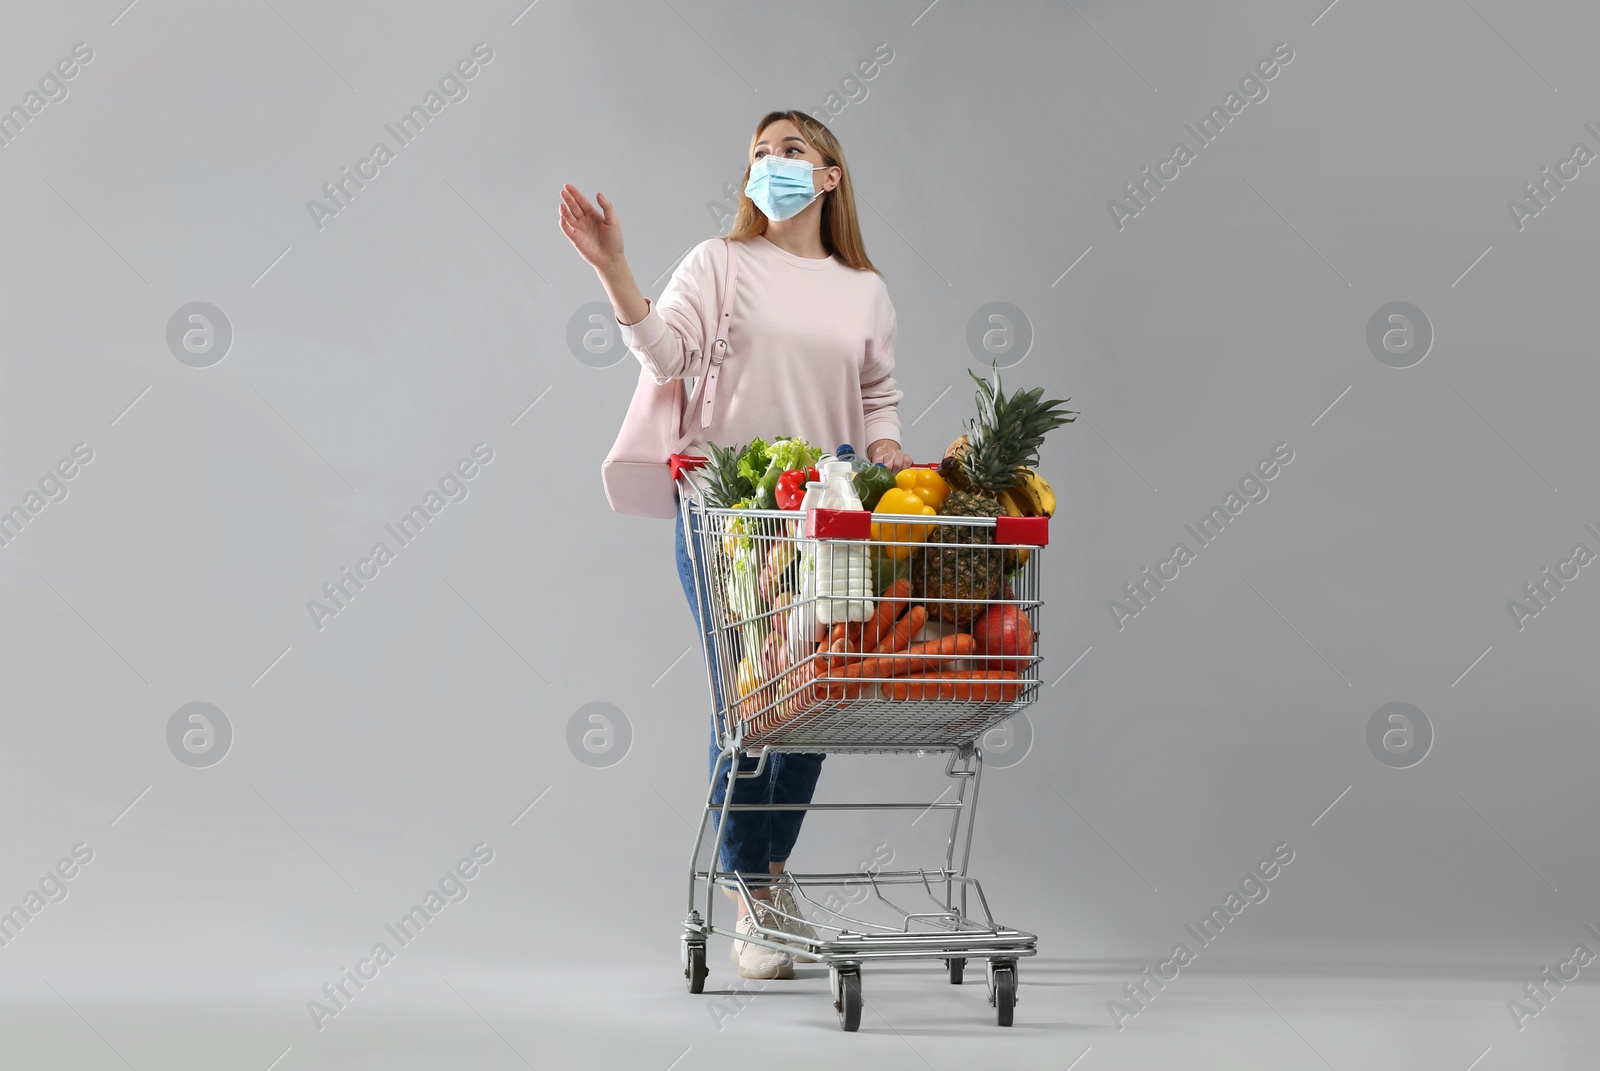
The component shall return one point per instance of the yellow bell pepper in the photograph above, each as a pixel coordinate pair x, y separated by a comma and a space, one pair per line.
900, 500
926, 484
747, 677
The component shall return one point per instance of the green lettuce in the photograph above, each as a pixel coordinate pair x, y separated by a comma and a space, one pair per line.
783, 454
792, 453
754, 461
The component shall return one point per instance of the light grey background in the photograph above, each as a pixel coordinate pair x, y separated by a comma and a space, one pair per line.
369, 356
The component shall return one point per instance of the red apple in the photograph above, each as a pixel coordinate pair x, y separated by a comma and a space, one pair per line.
1003, 630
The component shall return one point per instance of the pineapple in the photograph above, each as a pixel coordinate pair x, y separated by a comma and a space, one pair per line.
990, 458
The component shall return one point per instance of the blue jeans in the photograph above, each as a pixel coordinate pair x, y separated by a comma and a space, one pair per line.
753, 838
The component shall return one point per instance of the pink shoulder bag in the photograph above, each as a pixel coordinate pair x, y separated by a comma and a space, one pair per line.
637, 473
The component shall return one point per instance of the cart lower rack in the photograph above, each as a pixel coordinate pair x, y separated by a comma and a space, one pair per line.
807, 651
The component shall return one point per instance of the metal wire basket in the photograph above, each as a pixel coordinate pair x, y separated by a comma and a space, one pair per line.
770, 573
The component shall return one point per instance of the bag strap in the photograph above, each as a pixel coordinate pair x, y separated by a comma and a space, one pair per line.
719, 350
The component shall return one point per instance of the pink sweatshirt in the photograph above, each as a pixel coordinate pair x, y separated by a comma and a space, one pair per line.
810, 346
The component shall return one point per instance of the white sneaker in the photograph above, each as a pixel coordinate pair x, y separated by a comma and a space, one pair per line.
783, 899
759, 961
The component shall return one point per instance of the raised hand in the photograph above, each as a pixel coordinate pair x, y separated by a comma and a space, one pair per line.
594, 232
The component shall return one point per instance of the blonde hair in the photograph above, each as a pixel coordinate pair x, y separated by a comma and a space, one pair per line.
841, 233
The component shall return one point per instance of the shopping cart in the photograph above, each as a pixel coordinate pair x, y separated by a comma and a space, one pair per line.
767, 573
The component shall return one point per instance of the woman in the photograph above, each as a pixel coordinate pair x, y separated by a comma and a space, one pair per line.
811, 353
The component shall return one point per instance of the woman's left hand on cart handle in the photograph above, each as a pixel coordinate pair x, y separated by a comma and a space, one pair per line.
888, 453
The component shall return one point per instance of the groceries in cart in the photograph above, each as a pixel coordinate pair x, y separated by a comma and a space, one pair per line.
926, 604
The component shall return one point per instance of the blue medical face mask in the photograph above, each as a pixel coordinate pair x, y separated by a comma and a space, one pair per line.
781, 188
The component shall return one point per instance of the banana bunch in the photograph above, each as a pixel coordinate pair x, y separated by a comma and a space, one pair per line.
1030, 496
1008, 499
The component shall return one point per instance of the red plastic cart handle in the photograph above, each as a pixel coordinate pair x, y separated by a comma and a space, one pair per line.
678, 462
857, 524
838, 523
1031, 531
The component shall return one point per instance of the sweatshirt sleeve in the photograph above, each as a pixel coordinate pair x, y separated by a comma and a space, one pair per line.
670, 339
880, 398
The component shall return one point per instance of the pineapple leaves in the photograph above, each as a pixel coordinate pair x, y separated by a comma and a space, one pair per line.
725, 485
1006, 435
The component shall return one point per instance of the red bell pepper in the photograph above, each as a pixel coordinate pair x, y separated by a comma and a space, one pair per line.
791, 487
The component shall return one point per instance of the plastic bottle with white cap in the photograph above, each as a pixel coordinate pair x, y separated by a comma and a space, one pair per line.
844, 576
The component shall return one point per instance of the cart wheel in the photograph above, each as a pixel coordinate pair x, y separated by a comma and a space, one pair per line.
1005, 993
957, 966
848, 1003
694, 968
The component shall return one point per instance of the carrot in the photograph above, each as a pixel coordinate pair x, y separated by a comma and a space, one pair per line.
838, 688
877, 627
851, 631
830, 678
794, 694
918, 658
797, 684
1004, 692
957, 685
864, 636
899, 637
921, 686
